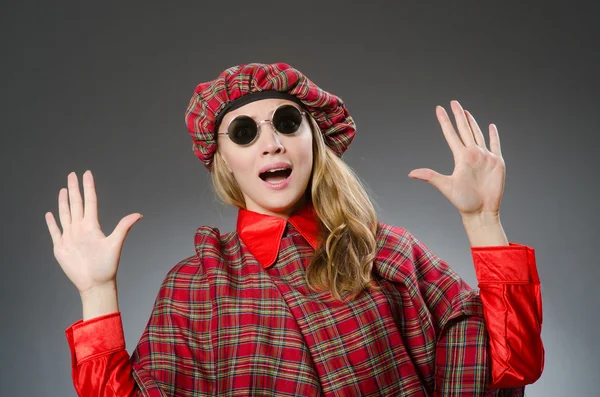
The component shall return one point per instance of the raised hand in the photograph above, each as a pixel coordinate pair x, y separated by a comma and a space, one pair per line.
88, 257
477, 183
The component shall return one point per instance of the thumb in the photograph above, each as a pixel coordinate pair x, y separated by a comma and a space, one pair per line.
124, 226
441, 182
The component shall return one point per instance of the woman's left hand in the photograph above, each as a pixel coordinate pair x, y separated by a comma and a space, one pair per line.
477, 183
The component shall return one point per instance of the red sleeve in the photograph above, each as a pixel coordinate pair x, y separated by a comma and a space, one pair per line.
100, 364
510, 291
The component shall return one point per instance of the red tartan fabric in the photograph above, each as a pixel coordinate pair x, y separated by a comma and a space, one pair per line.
223, 324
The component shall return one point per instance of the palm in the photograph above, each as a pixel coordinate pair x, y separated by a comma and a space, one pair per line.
476, 187
477, 182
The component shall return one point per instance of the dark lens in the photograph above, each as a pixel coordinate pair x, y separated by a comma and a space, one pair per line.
287, 119
242, 130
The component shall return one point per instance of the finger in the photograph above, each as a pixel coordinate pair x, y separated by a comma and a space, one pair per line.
53, 228
122, 229
476, 130
495, 140
75, 198
63, 210
449, 133
91, 200
461, 122
439, 181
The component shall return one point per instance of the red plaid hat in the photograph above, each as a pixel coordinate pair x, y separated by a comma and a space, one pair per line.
213, 99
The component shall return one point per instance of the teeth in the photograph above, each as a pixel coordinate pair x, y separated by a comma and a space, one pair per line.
277, 169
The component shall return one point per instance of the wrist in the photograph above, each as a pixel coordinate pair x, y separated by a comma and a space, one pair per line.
485, 230
99, 300
484, 220
99, 289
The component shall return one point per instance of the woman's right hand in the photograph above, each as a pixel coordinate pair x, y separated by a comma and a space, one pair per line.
88, 257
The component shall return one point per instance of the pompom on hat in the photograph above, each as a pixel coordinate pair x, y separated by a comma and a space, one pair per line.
242, 84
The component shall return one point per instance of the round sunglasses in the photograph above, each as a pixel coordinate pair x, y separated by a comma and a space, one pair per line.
243, 130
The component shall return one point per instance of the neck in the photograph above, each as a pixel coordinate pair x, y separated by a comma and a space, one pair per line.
285, 214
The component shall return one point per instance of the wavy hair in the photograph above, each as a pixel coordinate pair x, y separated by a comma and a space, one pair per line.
343, 261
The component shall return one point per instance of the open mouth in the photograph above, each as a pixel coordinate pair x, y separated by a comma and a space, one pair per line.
276, 176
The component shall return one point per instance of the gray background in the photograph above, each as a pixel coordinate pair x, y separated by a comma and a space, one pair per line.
104, 86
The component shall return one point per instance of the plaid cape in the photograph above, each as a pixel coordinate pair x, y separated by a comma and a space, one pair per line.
222, 325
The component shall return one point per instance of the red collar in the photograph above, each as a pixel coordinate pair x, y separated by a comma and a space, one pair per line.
262, 233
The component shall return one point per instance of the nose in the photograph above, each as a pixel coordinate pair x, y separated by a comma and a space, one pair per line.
269, 140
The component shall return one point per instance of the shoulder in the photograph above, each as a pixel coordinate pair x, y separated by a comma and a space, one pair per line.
390, 234
393, 258
395, 240
211, 244
387, 233
208, 243
401, 254
398, 240
209, 238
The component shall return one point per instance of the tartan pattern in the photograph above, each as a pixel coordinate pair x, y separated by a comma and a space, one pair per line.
209, 98
222, 325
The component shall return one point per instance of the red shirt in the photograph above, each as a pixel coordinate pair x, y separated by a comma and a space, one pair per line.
238, 319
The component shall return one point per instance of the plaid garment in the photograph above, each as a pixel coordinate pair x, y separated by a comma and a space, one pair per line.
224, 324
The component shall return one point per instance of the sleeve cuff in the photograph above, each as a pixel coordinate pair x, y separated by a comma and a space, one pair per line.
513, 263
95, 337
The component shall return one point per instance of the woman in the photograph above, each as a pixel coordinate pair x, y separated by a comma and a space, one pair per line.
310, 295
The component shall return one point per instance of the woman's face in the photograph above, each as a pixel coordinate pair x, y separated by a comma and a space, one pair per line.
273, 193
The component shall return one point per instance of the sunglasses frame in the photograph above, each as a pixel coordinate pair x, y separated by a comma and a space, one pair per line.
258, 124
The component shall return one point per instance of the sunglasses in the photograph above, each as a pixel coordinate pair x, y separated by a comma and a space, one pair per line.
243, 130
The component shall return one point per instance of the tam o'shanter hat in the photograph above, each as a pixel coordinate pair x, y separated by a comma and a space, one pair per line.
242, 84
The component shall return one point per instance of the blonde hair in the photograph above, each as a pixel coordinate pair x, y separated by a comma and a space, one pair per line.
344, 259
